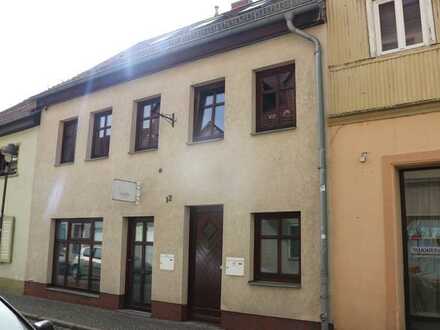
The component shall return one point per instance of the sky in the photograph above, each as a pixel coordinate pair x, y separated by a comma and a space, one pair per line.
45, 42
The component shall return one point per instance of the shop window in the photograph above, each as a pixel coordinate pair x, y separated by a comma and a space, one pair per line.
276, 108
420, 192
277, 247
400, 24
77, 254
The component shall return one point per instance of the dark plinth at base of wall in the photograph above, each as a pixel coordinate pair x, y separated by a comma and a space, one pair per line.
233, 320
102, 300
239, 321
169, 311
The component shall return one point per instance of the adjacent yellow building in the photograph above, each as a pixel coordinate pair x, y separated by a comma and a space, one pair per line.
19, 126
384, 149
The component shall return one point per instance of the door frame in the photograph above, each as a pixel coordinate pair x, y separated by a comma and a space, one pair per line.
191, 262
128, 265
404, 223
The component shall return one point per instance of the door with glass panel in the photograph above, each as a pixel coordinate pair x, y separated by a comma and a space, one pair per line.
139, 263
420, 190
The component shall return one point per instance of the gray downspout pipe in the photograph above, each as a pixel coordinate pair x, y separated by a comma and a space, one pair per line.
324, 278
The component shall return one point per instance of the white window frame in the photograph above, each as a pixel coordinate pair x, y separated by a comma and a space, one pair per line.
375, 37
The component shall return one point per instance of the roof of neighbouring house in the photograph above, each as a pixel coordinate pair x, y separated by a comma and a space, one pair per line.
19, 117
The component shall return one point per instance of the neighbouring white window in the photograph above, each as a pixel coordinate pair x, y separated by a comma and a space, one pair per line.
396, 25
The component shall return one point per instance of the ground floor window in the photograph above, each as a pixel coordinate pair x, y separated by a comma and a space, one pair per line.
77, 254
278, 247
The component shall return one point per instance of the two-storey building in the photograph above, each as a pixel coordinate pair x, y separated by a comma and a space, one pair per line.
384, 138
180, 176
19, 127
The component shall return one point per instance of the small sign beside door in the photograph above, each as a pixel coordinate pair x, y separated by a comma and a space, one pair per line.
126, 191
167, 262
234, 266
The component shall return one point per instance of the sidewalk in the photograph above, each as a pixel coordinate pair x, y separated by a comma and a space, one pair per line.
79, 317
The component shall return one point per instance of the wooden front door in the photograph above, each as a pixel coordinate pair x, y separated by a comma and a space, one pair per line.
139, 263
206, 236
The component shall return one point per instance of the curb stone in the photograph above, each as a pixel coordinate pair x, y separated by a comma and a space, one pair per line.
60, 323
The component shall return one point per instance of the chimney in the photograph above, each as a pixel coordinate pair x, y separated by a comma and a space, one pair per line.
241, 3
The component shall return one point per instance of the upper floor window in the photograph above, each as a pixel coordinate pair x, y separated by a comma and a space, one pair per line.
277, 247
102, 130
147, 124
400, 24
276, 106
68, 141
209, 112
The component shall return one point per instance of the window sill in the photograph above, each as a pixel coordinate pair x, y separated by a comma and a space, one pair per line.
74, 292
287, 129
97, 158
275, 284
64, 164
142, 151
205, 141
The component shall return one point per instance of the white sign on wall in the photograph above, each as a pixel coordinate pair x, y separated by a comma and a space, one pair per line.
125, 191
234, 266
167, 262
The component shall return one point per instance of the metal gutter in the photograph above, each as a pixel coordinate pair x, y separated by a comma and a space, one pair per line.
324, 290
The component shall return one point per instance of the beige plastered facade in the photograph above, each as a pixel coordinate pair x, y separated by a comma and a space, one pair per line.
18, 205
366, 233
244, 172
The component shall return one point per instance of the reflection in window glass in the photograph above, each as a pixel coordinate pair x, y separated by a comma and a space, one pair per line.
208, 100
96, 269
290, 227
290, 256
209, 112
413, 22
422, 224
278, 246
60, 264
139, 232
62, 230
269, 260
219, 117
206, 119
98, 231
150, 232
77, 259
269, 227
148, 273
388, 27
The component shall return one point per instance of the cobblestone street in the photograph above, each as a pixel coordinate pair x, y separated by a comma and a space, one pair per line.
77, 317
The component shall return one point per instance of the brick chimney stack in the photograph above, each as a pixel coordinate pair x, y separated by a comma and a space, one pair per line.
241, 3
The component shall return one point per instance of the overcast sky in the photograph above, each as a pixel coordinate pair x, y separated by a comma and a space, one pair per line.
44, 42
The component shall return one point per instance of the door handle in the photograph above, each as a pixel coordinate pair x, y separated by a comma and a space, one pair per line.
221, 267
